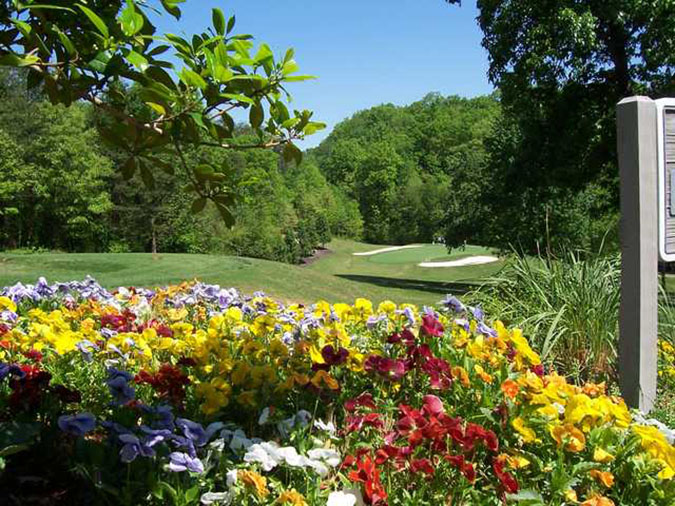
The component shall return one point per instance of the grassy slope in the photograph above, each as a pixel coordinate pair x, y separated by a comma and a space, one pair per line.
304, 284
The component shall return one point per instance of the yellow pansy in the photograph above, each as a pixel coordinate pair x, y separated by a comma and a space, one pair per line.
7, 304
527, 433
569, 436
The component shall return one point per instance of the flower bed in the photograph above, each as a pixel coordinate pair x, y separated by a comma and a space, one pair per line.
195, 394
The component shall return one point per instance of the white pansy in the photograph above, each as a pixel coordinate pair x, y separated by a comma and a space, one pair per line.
349, 497
319, 467
231, 477
326, 427
330, 457
292, 457
219, 498
265, 454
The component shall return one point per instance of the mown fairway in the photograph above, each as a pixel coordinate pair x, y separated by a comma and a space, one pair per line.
338, 276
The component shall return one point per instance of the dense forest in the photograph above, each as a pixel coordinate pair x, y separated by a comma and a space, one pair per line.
387, 175
62, 187
417, 172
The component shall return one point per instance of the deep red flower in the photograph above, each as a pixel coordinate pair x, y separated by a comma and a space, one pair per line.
431, 326
432, 405
334, 357
34, 355
66, 395
388, 368
187, 362
367, 473
507, 480
405, 336
422, 466
169, 382
538, 370
460, 463
120, 322
27, 392
476, 433
357, 422
363, 400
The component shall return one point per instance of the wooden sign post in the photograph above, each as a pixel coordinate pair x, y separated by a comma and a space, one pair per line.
638, 318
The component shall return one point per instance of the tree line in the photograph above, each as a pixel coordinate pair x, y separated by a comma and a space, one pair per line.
62, 187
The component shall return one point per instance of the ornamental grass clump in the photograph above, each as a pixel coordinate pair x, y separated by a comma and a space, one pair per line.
193, 394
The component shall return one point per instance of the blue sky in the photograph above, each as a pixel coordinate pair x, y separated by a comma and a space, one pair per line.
365, 52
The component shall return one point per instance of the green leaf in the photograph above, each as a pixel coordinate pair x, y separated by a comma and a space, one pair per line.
290, 67
313, 128
12, 449
203, 169
197, 207
138, 60
222, 74
292, 153
94, 18
219, 21
165, 167
264, 54
161, 76
192, 79
238, 97
67, 43
297, 79
158, 108
170, 7
256, 116
225, 214
192, 494
131, 20
159, 50
230, 24
49, 7
13, 60
290, 123
23, 27
527, 497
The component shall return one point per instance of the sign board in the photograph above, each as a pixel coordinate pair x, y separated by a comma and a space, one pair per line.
665, 132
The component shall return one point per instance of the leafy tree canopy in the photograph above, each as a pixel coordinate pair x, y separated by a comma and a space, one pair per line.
78, 50
415, 171
561, 67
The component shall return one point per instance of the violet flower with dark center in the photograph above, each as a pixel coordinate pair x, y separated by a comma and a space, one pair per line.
118, 383
134, 446
179, 462
453, 303
77, 425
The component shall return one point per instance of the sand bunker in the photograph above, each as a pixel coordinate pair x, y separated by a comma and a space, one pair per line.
477, 260
386, 250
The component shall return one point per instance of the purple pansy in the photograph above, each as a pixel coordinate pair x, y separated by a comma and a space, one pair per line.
179, 462
77, 425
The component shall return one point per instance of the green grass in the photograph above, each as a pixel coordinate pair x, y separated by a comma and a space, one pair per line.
400, 269
425, 253
337, 277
